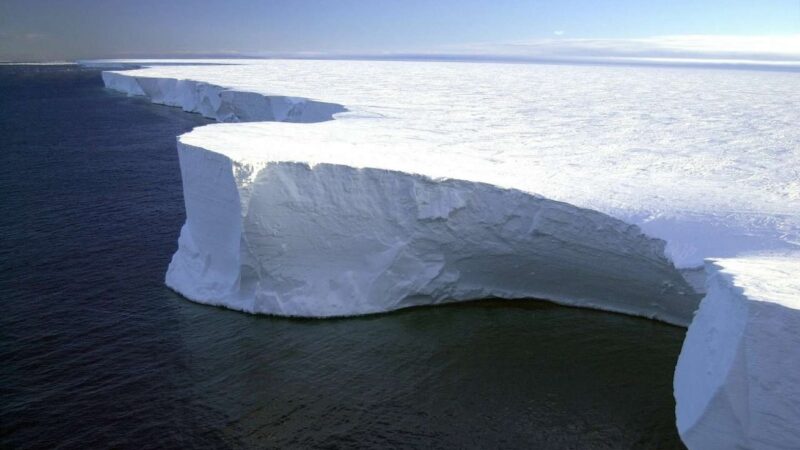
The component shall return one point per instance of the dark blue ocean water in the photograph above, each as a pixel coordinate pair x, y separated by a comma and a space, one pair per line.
96, 352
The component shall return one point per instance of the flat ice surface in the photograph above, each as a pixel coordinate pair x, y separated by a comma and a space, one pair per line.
770, 279
708, 160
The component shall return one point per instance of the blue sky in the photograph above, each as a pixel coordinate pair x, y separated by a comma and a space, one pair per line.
46, 30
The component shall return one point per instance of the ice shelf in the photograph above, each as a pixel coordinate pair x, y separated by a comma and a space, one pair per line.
350, 187
706, 160
321, 228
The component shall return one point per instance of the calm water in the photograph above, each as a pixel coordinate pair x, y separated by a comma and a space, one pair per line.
96, 352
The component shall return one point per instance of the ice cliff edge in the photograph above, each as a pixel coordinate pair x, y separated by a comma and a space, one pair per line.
221, 104
331, 240
357, 214
313, 234
737, 383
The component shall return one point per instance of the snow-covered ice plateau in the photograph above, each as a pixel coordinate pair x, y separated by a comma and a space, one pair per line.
348, 187
706, 160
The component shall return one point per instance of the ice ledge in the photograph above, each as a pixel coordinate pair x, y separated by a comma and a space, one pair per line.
327, 240
272, 231
737, 382
224, 105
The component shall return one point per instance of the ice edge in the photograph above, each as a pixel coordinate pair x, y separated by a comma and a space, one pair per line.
737, 381
700, 413
669, 297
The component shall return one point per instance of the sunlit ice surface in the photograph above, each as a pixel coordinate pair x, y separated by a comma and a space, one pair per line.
705, 159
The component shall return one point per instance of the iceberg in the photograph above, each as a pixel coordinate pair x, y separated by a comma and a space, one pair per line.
280, 226
335, 188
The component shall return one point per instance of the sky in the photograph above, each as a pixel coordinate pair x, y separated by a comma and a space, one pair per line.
41, 30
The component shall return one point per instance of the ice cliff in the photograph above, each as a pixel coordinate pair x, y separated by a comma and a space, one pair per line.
221, 104
737, 383
299, 234
705, 160
322, 240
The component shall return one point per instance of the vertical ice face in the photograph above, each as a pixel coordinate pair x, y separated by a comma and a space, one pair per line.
267, 234
331, 240
208, 260
222, 104
737, 383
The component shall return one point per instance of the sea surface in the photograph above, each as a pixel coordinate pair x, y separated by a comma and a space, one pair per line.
97, 353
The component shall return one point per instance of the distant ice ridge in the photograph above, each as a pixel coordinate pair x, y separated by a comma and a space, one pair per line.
737, 383
219, 103
704, 159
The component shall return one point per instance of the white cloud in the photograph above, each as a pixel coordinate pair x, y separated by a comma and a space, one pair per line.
758, 48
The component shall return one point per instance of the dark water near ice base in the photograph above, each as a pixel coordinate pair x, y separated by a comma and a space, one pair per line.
97, 352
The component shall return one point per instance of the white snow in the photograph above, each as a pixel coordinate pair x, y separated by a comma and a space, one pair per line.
737, 383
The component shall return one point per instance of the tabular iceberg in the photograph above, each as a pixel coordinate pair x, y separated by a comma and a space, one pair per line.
510, 181
702, 159
335, 236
